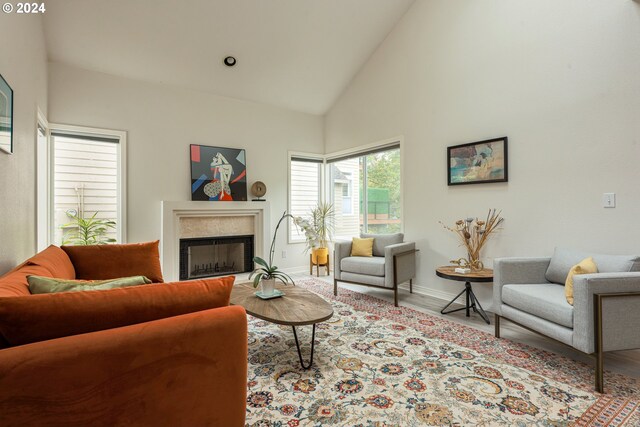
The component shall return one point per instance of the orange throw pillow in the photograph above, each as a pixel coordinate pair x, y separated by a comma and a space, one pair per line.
34, 318
56, 261
102, 262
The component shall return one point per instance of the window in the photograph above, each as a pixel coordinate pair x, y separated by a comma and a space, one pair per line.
87, 183
305, 189
342, 187
365, 189
42, 182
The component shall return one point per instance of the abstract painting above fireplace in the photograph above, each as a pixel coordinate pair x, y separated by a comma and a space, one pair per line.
218, 173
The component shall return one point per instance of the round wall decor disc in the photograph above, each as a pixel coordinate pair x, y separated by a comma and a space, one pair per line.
258, 189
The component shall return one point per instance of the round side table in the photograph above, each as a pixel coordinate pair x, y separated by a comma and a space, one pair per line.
482, 276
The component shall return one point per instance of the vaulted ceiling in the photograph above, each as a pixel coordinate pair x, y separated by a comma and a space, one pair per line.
297, 54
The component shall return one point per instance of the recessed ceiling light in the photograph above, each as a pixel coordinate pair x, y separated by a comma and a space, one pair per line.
230, 61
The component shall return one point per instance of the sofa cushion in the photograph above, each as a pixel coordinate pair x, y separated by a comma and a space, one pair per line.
369, 266
48, 285
56, 261
546, 300
564, 259
101, 262
34, 318
381, 241
362, 278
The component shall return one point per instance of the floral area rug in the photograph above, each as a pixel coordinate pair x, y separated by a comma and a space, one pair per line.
377, 365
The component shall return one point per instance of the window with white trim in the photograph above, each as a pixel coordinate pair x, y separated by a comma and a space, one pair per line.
87, 186
365, 189
305, 190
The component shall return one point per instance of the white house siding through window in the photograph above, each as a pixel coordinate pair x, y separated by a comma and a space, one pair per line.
304, 190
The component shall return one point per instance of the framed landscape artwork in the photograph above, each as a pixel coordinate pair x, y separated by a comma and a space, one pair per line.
6, 116
218, 173
478, 162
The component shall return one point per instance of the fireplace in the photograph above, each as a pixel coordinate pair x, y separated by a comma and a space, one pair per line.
215, 256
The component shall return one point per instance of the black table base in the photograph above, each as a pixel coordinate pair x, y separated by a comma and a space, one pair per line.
472, 304
313, 341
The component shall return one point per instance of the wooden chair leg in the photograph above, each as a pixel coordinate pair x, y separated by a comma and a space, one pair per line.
496, 321
598, 342
395, 296
328, 268
335, 287
599, 371
410, 286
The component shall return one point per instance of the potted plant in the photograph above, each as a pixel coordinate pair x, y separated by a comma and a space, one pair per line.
321, 221
473, 234
266, 273
88, 231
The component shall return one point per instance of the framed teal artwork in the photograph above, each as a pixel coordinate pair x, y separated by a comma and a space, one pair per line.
478, 162
6, 116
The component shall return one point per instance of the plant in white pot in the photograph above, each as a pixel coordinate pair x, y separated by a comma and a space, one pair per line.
322, 224
266, 273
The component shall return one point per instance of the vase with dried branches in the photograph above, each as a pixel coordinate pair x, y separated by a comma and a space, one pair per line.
474, 233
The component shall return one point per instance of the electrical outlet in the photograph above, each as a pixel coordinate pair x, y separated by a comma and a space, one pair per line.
284, 254
609, 200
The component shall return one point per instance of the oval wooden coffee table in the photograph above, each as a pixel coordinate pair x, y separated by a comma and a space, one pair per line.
298, 307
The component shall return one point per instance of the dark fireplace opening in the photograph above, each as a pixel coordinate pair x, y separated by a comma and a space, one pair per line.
215, 256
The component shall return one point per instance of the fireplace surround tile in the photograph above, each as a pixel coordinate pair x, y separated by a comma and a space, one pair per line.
234, 215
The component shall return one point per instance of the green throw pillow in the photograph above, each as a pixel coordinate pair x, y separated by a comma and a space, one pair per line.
46, 285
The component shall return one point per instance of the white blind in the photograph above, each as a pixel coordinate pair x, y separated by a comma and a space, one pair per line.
304, 192
85, 179
364, 152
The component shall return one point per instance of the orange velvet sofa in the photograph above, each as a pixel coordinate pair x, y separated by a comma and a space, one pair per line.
166, 354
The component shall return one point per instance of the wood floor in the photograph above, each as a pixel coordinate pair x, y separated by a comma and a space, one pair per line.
624, 362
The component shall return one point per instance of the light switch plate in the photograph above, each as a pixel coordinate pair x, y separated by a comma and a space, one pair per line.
609, 200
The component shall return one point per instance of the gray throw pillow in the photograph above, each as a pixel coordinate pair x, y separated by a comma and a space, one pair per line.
564, 259
380, 241
47, 285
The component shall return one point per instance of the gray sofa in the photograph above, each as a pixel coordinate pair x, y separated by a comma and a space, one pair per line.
393, 262
606, 312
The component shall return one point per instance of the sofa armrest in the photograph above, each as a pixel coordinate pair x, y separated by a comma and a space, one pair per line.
405, 254
621, 318
190, 370
342, 249
34, 318
515, 271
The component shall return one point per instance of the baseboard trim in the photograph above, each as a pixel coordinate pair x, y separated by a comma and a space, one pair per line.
429, 292
417, 288
296, 270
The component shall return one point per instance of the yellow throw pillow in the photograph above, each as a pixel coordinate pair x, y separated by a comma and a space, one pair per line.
586, 266
362, 247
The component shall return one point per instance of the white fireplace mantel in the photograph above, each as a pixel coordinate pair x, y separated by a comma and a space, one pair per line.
173, 211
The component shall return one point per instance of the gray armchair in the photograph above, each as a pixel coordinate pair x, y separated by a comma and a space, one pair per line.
393, 262
605, 315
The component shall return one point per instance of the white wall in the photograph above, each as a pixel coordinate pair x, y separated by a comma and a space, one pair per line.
560, 78
23, 64
163, 120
